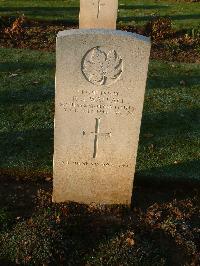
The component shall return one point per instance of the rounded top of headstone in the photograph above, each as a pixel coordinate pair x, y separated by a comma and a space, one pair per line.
124, 34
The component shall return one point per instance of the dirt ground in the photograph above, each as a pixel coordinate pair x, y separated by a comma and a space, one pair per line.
167, 216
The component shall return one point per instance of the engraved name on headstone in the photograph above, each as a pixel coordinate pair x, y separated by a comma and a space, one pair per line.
98, 14
100, 85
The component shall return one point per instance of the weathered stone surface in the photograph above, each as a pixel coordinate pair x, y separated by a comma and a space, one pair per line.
98, 14
100, 86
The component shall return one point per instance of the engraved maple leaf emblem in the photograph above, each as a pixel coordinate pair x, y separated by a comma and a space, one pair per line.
101, 68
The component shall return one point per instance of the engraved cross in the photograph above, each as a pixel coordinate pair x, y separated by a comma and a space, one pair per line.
97, 134
99, 8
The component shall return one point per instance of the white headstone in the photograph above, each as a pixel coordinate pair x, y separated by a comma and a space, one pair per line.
98, 14
100, 85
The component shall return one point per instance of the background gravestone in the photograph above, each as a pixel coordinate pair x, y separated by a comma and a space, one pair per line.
98, 14
100, 85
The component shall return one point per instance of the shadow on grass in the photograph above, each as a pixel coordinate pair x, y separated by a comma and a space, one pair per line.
30, 149
42, 10
142, 6
19, 197
71, 13
36, 88
170, 137
182, 122
148, 190
74, 10
32, 94
172, 80
148, 18
161, 179
25, 66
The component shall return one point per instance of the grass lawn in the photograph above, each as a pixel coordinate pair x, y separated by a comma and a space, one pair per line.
185, 15
170, 135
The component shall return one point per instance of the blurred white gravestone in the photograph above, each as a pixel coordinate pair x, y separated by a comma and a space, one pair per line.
100, 85
98, 14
